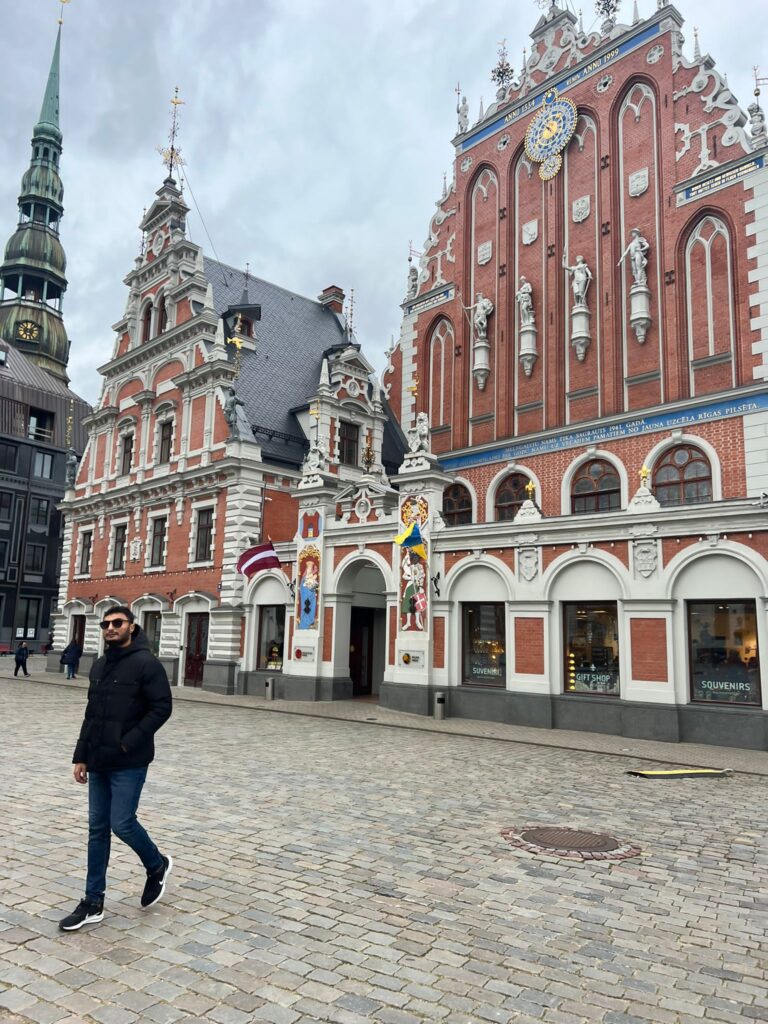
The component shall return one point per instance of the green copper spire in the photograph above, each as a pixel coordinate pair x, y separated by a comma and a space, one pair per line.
49, 112
32, 273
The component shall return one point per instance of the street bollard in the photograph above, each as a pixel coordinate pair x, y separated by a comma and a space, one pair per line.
269, 689
439, 706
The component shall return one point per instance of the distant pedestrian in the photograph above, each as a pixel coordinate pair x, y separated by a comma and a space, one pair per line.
20, 657
70, 657
129, 699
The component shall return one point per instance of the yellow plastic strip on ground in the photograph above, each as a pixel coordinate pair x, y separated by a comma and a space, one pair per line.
684, 773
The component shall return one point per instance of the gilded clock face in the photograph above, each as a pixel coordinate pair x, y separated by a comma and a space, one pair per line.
551, 129
27, 330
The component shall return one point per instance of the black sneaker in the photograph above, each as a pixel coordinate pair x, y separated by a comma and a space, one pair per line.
86, 912
155, 887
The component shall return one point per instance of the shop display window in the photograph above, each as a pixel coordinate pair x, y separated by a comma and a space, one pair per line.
591, 648
484, 658
271, 633
724, 657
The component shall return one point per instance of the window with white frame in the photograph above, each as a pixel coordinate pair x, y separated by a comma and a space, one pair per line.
164, 441
118, 545
126, 454
202, 550
157, 541
84, 558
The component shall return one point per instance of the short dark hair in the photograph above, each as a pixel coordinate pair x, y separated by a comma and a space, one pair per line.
120, 609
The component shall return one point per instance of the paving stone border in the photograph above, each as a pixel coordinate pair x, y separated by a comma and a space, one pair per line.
517, 837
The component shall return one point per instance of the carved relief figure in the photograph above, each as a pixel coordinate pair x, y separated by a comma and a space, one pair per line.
71, 470
637, 250
483, 309
581, 276
524, 299
414, 600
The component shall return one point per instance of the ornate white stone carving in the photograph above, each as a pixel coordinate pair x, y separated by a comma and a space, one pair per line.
528, 348
528, 563
757, 126
363, 509
530, 232
645, 557
721, 101
465, 164
638, 182
462, 111
484, 253
481, 370
502, 144
604, 84
418, 435
655, 54
528, 512
135, 549
581, 209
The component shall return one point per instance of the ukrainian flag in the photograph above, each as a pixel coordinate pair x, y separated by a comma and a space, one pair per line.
411, 538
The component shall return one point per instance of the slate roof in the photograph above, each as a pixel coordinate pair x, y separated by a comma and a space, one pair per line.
292, 337
23, 380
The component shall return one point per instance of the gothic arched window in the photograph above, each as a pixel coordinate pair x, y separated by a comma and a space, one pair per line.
441, 355
162, 322
683, 476
146, 324
510, 495
457, 505
596, 487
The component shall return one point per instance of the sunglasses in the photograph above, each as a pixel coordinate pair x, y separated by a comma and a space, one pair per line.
117, 623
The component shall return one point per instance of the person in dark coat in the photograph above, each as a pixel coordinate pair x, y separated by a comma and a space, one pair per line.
70, 657
20, 657
129, 699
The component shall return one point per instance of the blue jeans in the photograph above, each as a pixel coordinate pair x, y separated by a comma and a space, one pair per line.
113, 799
70, 671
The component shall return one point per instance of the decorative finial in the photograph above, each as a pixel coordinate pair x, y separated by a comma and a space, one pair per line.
143, 249
414, 388
369, 458
351, 312
503, 73
530, 489
607, 10
172, 154
314, 412
758, 80
696, 46
644, 474
61, 12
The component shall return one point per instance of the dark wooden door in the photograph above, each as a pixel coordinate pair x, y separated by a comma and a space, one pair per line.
78, 630
361, 650
197, 648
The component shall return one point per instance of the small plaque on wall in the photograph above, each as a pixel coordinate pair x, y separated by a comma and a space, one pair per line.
413, 659
303, 652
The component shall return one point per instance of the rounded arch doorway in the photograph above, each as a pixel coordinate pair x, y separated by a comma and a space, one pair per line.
361, 626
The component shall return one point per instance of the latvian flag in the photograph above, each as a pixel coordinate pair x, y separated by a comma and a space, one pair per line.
263, 556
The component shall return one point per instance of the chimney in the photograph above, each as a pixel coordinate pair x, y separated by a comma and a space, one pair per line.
332, 298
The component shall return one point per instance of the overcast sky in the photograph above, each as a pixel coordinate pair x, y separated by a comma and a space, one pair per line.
316, 132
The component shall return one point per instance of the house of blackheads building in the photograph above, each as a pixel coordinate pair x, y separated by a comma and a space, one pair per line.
553, 510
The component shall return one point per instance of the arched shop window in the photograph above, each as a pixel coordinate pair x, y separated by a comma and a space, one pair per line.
595, 488
457, 505
510, 495
683, 476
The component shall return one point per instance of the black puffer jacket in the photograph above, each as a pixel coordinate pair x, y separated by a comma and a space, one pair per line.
129, 698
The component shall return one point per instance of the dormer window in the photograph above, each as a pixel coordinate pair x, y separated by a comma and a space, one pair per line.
349, 444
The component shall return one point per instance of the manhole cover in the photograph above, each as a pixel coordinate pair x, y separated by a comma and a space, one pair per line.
573, 843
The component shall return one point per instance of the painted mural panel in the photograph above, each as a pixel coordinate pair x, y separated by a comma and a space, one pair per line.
414, 565
309, 564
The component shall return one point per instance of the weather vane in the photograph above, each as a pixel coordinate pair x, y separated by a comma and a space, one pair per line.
70, 417
61, 12
758, 80
172, 154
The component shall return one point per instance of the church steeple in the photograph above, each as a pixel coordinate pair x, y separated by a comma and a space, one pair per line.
32, 280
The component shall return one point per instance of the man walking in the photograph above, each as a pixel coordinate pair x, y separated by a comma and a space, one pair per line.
70, 657
20, 657
129, 699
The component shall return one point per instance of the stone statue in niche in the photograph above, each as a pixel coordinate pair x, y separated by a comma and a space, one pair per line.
524, 299
462, 110
418, 435
483, 309
581, 276
231, 403
637, 250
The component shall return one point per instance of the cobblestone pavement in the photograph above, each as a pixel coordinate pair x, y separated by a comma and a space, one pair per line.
341, 871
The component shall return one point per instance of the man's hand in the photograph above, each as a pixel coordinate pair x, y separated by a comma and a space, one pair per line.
80, 772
